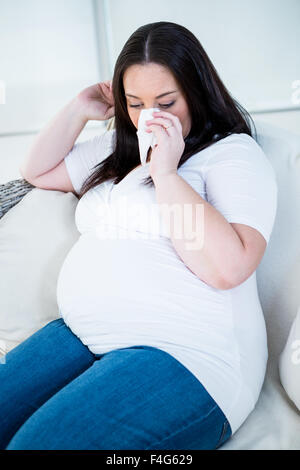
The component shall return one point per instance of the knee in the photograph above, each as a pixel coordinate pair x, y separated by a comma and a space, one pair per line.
24, 439
33, 435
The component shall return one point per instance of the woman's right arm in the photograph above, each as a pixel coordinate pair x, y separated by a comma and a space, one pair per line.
55, 141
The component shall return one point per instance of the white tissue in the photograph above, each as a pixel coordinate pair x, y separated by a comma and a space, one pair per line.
145, 139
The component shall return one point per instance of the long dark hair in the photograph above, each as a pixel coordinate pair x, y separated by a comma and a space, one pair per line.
214, 112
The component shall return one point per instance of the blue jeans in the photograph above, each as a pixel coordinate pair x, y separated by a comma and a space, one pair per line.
56, 394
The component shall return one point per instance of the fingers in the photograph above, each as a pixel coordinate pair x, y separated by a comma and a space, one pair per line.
107, 84
170, 117
110, 113
110, 85
107, 90
166, 123
158, 131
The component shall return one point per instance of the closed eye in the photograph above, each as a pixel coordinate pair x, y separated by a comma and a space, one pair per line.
160, 105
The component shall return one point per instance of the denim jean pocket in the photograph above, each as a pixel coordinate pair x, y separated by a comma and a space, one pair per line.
225, 433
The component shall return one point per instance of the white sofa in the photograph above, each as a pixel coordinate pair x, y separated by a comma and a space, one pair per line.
37, 233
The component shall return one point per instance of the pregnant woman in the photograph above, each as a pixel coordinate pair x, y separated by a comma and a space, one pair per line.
161, 340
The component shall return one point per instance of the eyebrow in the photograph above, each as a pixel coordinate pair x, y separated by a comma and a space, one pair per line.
159, 96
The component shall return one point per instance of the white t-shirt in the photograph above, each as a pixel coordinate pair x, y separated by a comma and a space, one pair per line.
123, 284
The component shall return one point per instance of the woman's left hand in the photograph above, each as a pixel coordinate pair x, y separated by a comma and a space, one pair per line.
170, 145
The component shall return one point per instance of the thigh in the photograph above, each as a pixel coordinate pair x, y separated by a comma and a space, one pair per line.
132, 398
35, 370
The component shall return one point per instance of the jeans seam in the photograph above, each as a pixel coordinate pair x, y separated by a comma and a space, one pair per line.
202, 418
224, 429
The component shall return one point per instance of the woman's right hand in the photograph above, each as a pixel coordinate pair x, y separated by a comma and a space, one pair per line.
97, 101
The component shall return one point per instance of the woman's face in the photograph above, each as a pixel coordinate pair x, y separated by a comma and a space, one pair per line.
143, 85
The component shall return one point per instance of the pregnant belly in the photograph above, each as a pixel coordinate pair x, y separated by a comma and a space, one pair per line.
112, 293
127, 280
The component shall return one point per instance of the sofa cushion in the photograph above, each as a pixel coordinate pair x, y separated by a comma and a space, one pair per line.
289, 363
279, 271
35, 237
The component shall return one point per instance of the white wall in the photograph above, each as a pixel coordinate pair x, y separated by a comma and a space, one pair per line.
48, 54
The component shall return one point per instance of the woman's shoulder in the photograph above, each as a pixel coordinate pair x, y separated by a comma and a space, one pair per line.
240, 148
102, 144
241, 140
105, 138
235, 154
230, 147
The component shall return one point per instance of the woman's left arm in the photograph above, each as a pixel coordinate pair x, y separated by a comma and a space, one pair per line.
220, 253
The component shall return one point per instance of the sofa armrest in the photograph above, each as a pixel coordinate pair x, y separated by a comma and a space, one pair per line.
11, 193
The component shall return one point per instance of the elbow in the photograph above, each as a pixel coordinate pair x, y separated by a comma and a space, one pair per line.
23, 173
25, 176
214, 279
231, 282
227, 280
225, 284
217, 279
220, 283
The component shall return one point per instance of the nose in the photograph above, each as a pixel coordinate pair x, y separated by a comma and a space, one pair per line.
155, 108
150, 111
